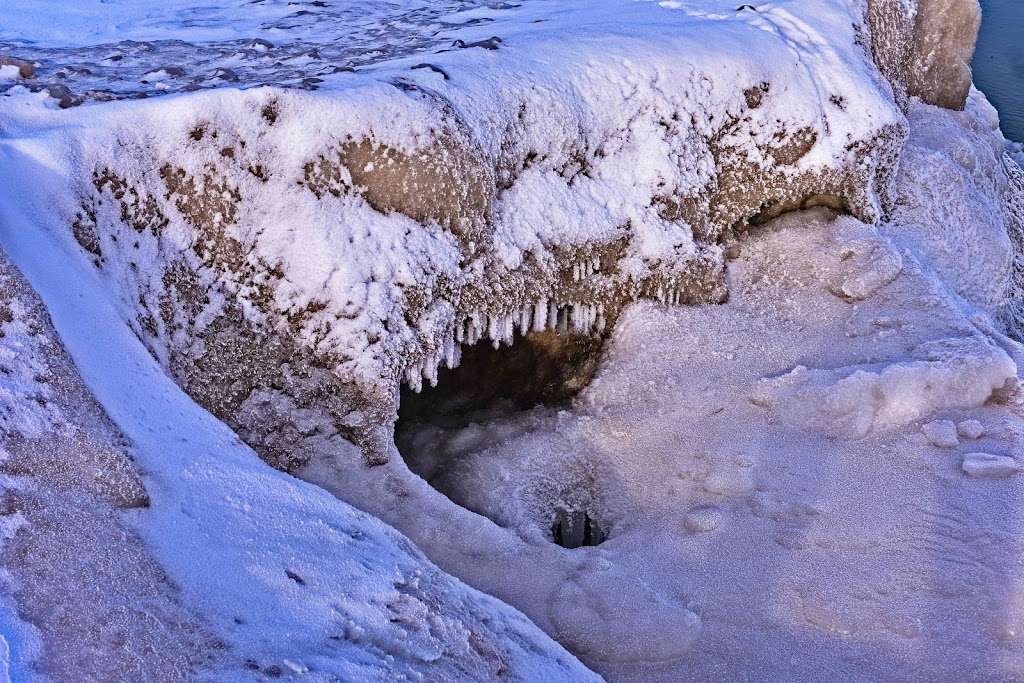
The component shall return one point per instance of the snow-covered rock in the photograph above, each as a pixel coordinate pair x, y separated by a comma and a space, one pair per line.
989, 466
219, 568
941, 433
295, 256
597, 174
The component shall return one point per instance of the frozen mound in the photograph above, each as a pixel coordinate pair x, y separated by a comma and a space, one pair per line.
231, 575
279, 251
957, 192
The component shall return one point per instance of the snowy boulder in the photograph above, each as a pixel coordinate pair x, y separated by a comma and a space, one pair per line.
941, 433
989, 466
866, 265
970, 429
332, 247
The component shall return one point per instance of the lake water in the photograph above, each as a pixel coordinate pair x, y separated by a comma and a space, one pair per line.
999, 62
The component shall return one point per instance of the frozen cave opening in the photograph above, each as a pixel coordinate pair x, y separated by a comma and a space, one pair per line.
489, 388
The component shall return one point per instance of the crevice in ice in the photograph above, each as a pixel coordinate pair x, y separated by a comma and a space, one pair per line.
576, 529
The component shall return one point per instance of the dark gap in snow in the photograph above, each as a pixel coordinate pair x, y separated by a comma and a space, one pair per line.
440, 425
540, 368
576, 529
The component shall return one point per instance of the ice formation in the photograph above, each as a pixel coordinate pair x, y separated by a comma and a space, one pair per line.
363, 196
330, 247
100, 597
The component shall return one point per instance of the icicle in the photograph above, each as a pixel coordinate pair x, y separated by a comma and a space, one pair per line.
553, 315
414, 377
540, 315
524, 319
449, 352
595, 265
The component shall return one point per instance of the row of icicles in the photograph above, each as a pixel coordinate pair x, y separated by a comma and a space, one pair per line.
501, 329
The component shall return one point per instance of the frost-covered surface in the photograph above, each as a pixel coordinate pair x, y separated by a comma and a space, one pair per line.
353, 239
86, 600
824, 467
242, 572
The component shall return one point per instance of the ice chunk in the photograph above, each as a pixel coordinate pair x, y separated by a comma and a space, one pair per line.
970, 429
941, 433
851, 402
702, 518
989, 466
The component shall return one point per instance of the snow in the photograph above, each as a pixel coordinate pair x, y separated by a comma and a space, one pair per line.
230, 531
384, 183
597, 155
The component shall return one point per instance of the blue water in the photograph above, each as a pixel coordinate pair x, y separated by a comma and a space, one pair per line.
999, 62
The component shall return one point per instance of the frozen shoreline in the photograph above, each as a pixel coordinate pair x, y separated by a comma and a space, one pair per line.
802, 461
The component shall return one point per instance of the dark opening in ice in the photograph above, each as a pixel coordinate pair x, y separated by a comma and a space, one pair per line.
575, 529
540, 368
440, 429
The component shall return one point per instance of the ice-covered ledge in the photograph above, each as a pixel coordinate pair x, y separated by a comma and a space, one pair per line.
279, 249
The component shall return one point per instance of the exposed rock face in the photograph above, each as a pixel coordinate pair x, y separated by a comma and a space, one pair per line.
924, 47
104, 609
945, 33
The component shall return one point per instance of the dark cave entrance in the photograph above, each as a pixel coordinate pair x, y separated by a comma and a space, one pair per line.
539, 369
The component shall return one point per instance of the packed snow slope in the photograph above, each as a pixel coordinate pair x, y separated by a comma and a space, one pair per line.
819, 460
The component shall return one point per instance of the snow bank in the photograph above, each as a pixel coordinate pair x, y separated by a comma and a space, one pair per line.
852, 402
